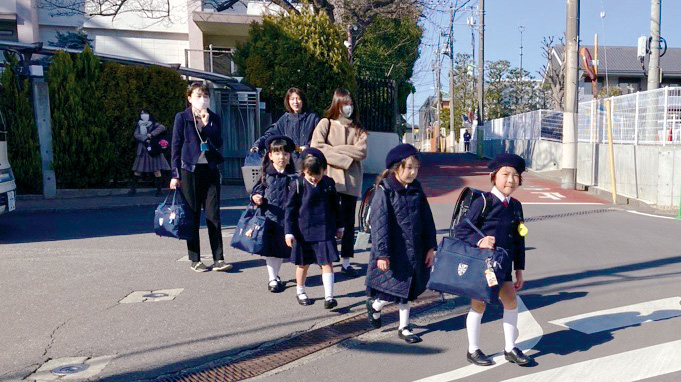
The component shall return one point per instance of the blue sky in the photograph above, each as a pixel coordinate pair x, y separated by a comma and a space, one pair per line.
624, 22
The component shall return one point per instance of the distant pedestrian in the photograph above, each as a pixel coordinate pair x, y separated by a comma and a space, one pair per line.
402, 239
343, 141
503, 228
271, 193
466, 141
197, 140
297, 123
312, 225
146, 129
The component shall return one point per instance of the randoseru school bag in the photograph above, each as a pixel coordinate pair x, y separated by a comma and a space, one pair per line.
464, 270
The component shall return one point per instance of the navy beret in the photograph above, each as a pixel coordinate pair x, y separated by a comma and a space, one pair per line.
505, 159
290, 145
316, 153
398, 153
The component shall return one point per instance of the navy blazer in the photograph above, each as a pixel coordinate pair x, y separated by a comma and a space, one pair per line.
297, 126
313, 213
501, 222
186, 146
402, 230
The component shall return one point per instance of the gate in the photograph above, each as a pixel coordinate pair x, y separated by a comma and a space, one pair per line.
377, 102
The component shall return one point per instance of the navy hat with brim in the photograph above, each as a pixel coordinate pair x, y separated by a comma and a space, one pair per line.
316, 153
290, 145
505, 159
399, 153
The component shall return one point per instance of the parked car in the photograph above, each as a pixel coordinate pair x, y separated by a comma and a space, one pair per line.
8, 186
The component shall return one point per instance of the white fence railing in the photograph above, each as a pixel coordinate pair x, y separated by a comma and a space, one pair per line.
538, 124
650, 117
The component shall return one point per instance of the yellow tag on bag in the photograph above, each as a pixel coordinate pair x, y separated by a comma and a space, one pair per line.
491, 278
522, 229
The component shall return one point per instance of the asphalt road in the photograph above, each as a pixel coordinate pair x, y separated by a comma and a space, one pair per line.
62, 276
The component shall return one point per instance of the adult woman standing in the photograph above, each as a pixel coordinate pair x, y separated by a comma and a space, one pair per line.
197, 139
343, 141
146, 129
297, 123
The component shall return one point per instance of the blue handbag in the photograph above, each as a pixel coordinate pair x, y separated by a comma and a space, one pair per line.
175, 219
249, 234
460, 269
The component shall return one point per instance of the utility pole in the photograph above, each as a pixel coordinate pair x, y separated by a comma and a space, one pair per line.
654, 63
569, 161
521, 29
451, 71
438, 98
481, 63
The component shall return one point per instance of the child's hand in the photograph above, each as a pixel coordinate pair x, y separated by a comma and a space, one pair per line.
257, 199
339, 233
487, 242
289, 240
383, 264
430, 256
519, 281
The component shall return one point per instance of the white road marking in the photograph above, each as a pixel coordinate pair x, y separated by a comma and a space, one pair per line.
561, 203
549, 195
629, 366
530, 334
233, 208
651, 215
623, 316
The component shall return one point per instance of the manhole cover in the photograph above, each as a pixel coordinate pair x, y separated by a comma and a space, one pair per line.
70, 369
155, 295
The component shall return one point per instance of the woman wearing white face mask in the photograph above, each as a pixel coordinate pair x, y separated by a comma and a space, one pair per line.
197, 141
145, 161
343, 141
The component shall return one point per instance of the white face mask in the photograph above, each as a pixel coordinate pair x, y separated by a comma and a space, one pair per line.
347, 110
201, 103
144, 117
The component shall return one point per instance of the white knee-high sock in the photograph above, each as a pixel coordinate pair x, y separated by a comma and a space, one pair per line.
346, 262
379, 304
273, 267
473, 323
404, 315
510, 328
327, 279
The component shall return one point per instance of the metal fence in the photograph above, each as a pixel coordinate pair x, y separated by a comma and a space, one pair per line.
216, 60
650, 117
377, 103
533, 125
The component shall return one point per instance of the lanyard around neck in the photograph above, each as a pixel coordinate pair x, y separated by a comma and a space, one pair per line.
197, 129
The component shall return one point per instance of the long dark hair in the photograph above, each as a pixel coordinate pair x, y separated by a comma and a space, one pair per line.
340, 98
276, 145
392, 170
300, 94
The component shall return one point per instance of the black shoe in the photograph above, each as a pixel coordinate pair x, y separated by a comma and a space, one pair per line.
276, 287
517, 356
409, 338
349, 271
478, 358
330, 304
304, 301
375, 322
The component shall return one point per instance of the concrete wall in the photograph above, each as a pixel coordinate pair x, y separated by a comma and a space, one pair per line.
378, 146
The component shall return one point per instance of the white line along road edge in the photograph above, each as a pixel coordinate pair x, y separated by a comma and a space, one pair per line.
530, 334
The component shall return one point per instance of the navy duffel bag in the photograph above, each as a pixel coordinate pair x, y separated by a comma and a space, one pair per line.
459, 269
175, 219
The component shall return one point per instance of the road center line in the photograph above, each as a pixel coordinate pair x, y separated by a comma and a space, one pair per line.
629, 366
530, 334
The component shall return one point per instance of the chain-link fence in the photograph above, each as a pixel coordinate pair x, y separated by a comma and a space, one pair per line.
650, 117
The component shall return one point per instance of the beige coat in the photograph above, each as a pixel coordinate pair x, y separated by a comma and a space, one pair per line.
344, 148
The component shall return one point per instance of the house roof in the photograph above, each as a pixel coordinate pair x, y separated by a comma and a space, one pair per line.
623, 60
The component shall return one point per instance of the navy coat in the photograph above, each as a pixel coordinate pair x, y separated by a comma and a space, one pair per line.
402, 230
297, 126
501, 222
313, 213
186, 146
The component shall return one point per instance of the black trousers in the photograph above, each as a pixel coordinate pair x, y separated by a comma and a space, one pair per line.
201, 189
348, 203
466, 146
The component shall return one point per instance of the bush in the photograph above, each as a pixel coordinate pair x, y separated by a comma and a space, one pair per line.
22, 138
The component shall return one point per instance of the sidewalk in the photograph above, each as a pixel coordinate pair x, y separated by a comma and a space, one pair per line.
96, 199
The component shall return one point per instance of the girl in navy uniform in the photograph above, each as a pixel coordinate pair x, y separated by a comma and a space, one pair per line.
312, 224
503, 227
271, 194
402, 237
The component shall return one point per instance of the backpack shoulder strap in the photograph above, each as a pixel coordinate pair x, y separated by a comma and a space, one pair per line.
486, 206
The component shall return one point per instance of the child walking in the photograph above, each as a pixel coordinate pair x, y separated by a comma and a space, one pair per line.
312, 225
271, 194
402, 237
503, 227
